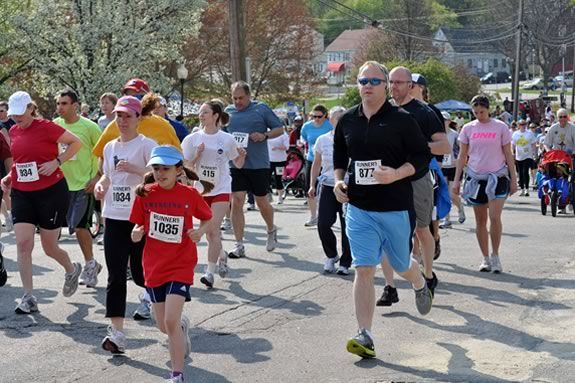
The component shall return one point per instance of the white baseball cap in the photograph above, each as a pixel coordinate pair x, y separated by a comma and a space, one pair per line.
18, 102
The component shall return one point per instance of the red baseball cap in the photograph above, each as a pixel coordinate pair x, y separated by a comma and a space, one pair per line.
138, 85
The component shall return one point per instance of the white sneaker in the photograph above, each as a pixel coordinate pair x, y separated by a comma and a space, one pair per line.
27, 305
71, 280
495, 264
144, 310
90, 273
226, 224
175, 379
208, 280
522, 193
251, 207
312, 222
272, 239
485, 265
239, 251
342, 270
329, 265
223, 268
186, 331
280, 200
115, 341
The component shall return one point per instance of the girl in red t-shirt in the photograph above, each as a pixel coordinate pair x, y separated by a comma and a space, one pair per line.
164, 211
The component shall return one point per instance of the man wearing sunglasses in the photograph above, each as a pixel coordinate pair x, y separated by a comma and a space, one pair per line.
434, 133
381, 147
562, 134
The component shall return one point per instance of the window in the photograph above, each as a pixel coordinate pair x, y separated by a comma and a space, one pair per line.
495, 63
503, 63
469, 63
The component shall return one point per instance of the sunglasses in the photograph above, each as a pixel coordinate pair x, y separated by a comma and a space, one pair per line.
373, 81
315, 117
562, 116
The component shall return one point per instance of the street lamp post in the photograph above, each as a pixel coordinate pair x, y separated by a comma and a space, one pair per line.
182, 73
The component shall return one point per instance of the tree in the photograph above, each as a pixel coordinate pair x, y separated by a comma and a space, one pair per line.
94, 46
279, 44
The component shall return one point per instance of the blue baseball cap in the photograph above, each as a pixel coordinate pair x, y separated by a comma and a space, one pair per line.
165, 155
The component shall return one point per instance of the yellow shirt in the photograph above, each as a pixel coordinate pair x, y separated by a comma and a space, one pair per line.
154, 127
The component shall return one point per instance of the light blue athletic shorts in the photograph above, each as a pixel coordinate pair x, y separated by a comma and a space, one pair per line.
374, 234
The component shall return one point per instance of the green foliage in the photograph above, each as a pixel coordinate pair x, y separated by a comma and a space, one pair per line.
351, 97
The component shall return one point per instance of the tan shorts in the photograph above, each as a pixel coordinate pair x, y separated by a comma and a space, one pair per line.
423, 200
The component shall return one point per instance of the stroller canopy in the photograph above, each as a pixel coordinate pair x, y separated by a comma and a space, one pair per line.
557, 157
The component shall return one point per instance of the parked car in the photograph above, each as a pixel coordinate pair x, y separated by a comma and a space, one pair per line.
491, 78
535, 84
568, 80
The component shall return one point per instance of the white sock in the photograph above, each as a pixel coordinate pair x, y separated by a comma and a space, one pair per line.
211, 267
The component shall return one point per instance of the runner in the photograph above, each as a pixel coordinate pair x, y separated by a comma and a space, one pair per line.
208, 152
5, 165
277, 148
164, 212
329, 207
490, 177
562, 134
107, 103
524, 146
81, 173
39, 192
311, 130
251, 124
379, 194
448, 169
123, 165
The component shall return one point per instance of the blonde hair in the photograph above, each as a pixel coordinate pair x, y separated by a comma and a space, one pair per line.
379, 66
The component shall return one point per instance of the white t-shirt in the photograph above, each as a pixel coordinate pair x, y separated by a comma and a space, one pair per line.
278, 155
523, 142
120, 195
324, 147
213, 165
450, 160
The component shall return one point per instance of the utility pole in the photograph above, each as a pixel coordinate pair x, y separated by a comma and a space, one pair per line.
515, 94
237, 38
573, 85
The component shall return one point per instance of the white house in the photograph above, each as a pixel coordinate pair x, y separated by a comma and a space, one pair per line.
340, 53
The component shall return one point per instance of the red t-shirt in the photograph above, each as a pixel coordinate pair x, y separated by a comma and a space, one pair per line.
169, 254
31, 147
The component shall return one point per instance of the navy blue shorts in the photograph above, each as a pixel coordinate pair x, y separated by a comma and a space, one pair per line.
158, 294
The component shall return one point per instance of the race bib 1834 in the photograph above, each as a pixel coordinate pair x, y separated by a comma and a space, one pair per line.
241, 139
364, 172
166, 228
27, 172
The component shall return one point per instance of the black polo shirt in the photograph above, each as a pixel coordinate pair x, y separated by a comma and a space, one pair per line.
392, 136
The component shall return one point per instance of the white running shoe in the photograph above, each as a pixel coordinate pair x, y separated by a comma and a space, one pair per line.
251, 207
342, 270
89, 276
208, 280
115, 341
226, 224
461, 214
272, 239
239, 251
495, 264
144, 310
186, 331
223, 268
329, 265
311, 222
71, 280
485, 265
522, 193
27, 305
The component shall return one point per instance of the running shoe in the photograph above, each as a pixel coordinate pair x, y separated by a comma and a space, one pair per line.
115, 341
522, 193
251, 207
311, 222
238, 252
388, 297
186, 331
527, 193
175, 379
226, 224
272, 239
342, 270
89, 276
461, 215
437, 249
71, 280
485, 265
144, 310
223, 268
423, 300
3, 272
280, 200
495, 264
432, 283
361, 345
329, 265
445, 224
208, 280
27, 305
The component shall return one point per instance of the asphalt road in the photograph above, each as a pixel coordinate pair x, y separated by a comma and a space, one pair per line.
277, 318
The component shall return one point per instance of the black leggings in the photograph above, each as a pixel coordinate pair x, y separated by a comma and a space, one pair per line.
118, 249
523, 168
329, 209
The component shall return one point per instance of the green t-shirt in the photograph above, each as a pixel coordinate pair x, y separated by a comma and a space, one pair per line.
84, 165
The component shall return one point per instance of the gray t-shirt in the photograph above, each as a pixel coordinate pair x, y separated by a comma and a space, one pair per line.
257, 117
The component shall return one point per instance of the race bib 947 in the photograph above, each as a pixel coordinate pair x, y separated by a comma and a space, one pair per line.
241, 139
364, 172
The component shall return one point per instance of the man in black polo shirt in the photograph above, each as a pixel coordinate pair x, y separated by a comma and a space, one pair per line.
434, 133
380, 147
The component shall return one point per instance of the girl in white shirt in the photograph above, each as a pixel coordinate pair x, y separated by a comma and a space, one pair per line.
277, 148
208, 152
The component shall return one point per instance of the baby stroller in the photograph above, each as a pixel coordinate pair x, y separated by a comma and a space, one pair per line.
555, 187
293, 178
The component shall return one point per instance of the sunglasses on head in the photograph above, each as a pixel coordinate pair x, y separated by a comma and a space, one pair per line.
373, 81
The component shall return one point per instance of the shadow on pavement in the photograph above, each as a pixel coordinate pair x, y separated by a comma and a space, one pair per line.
249, 350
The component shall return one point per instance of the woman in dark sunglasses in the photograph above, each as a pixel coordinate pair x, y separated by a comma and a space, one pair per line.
485, 147
311, 130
